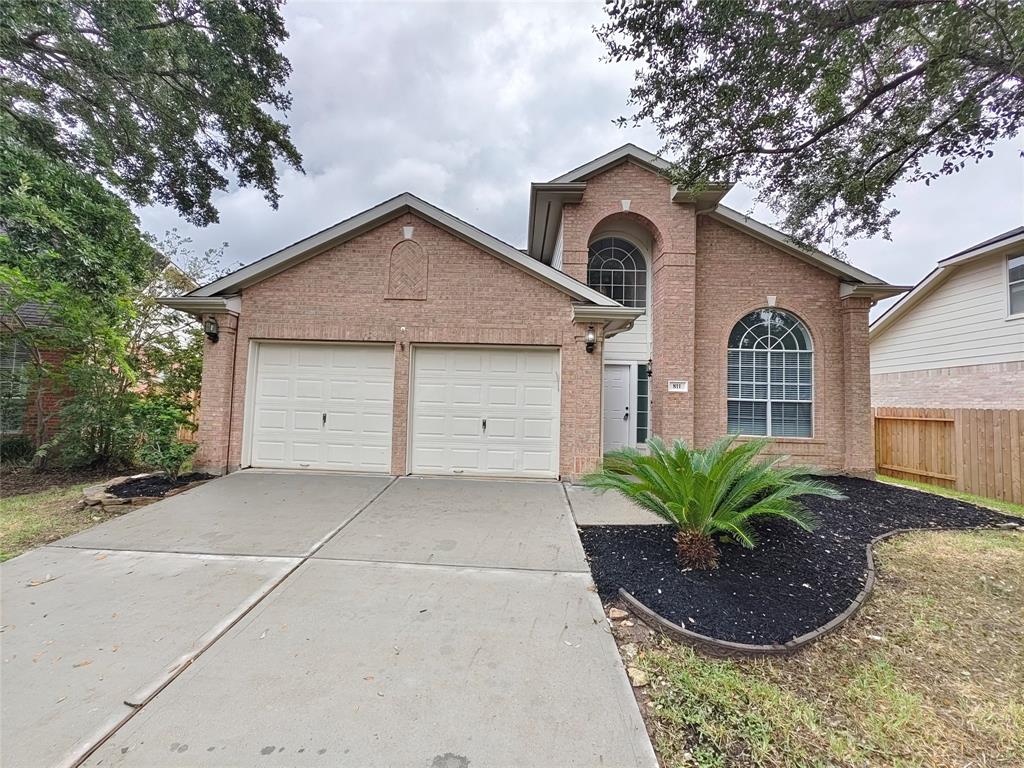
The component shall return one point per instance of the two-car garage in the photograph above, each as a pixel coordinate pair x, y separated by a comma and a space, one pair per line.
488, 411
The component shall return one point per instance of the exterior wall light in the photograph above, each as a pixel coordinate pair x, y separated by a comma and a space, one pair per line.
650, 368
591, 338
211, 328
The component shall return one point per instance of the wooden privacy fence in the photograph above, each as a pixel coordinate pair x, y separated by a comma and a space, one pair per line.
977, 451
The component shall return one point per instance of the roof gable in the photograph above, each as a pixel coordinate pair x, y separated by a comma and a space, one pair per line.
390, 209
1003, 244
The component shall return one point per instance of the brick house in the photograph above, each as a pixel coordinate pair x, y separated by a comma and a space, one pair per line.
404, 340
956, 340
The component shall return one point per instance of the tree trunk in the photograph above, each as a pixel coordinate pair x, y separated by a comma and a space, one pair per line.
696, 550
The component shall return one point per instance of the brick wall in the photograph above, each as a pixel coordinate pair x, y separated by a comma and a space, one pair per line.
735, 275
340, 295
995, 385
673, 230
706, 276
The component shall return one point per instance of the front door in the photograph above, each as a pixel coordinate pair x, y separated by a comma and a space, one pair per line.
617, 419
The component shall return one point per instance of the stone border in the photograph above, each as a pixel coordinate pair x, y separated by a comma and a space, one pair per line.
98, 495
727, 648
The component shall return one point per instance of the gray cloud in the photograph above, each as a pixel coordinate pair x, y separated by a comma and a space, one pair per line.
466, 104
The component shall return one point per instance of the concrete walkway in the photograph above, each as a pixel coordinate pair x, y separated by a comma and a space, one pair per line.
278, 619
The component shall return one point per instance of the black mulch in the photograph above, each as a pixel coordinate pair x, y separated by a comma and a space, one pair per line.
155, 485
792, 583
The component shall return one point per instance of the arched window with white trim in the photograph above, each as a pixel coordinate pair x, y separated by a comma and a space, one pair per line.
617, 268
770, 379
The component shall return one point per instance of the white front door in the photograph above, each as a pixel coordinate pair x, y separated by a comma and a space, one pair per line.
617, 418
485, 411
322, 406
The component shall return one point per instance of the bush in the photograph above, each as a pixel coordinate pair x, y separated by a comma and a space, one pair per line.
16, 448
715, 490
158, 420
96, 427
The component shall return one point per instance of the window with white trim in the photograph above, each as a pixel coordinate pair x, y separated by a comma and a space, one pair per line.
14, 357
617, 268
1015, 272
770, 376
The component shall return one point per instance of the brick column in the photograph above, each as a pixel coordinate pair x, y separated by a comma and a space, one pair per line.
858, 428
215, 398
400, 408
580, 448
673, 317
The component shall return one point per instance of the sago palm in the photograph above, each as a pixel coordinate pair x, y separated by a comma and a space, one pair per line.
718, 490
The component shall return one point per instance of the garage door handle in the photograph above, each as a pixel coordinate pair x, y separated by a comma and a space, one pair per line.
324, 420
485, 424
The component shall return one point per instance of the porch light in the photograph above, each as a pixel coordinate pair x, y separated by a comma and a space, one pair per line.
211, 328
650, 368
591, 338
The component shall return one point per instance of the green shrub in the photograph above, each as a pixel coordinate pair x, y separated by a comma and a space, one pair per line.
16, 448
714, 490
158, 420
96, 427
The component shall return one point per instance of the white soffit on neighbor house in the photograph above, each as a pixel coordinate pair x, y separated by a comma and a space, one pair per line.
1003, 243
390, 209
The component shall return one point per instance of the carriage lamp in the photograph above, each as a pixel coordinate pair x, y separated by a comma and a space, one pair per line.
211, 328
591, 338
650, 368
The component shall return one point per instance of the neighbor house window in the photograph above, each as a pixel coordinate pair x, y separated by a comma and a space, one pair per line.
770, 376
618, 269
14, 357
643, 402
1015, 265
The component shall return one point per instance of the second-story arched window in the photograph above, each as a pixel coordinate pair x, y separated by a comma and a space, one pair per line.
617, 268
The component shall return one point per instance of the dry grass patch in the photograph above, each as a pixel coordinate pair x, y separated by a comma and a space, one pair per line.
31, 520
930, 673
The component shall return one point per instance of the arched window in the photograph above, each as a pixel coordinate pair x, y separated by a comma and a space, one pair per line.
770, 387
618, 269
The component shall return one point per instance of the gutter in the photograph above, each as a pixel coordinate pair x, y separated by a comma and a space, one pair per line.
616, 320
201, 305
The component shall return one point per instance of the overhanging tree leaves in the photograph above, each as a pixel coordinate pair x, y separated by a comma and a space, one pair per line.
159, 98
824, 105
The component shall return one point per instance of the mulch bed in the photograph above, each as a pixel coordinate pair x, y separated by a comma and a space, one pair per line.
793, 582
16, 479
155, 485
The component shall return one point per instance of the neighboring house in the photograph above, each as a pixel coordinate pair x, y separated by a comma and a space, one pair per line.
405, 340
957, 339
25, 409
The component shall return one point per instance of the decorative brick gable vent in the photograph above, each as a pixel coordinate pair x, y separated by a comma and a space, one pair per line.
407, 272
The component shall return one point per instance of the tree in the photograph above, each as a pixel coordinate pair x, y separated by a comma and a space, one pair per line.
156, 97
824, 105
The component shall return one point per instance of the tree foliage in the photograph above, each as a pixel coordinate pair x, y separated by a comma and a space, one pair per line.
824, 105
159, 98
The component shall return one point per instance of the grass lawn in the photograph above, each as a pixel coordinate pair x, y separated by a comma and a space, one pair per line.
29, 520
929, 673
1007, 507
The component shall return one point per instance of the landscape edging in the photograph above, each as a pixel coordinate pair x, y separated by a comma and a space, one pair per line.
728, 648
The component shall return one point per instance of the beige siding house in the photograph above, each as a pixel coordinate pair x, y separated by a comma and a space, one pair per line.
957, 339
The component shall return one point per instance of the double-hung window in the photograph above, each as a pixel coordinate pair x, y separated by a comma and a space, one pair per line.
1015, 268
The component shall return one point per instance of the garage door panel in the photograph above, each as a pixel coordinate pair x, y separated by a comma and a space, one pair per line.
515, 390
537, 461
297, 384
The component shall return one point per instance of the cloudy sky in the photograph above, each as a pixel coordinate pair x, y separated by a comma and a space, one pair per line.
466, 104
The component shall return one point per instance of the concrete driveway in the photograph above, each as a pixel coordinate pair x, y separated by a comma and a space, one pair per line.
279, 619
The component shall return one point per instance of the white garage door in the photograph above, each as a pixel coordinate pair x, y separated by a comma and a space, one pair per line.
322, 406
485, 411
